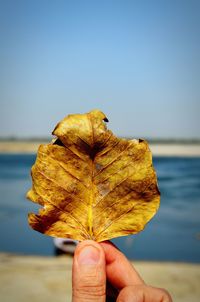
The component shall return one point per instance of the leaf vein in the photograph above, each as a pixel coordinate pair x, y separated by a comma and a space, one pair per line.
62, 210
114, 160
63, 167
117, 218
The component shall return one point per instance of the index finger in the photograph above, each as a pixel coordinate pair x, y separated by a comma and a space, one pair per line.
119, 270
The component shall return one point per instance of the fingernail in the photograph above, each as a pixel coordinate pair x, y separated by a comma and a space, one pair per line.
88, 255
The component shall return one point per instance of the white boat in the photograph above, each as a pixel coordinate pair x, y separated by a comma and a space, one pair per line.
65, 245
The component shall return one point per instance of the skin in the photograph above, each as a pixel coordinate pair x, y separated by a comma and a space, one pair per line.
96, 264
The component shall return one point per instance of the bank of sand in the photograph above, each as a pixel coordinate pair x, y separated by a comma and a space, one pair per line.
157, 149
40, 279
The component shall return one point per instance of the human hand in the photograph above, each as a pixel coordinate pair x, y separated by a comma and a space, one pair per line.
94, 263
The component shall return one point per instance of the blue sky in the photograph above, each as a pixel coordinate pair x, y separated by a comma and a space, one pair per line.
138, 61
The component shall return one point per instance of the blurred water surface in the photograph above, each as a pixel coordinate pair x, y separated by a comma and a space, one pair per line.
172, 235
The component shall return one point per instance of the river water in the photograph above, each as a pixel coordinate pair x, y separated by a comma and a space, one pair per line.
172, 235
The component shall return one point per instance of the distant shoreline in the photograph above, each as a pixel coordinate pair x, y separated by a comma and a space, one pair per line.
158, 149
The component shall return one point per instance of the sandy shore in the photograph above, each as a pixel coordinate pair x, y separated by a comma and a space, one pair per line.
157, 149
39, 279
175, 150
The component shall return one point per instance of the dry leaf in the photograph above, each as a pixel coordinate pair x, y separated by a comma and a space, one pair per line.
91, 184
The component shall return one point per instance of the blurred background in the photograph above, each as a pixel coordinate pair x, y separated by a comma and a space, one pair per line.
138, 62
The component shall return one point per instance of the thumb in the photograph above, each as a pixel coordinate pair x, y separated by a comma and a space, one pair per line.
88, 273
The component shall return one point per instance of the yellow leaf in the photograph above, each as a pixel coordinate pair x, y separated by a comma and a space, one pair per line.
91, 184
